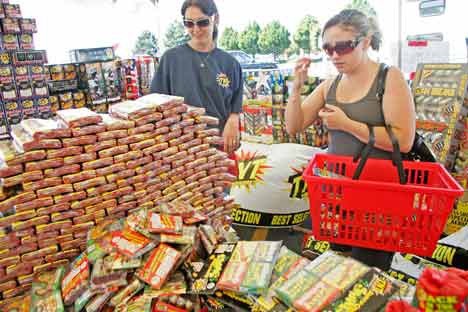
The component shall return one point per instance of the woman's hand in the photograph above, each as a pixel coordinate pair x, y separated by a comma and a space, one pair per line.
300, 72
231, 135
333, 117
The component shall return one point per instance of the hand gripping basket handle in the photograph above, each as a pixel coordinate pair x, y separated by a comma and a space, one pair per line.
396, 155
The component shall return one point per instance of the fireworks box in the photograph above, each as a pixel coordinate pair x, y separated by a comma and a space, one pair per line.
13, 111
129, 74
92, 55
26, 41
33, 57
91, 79
257, 88
147, 66
12, 10
10, 42
11, 26
439, 91
29, 110
5, 58
112, 81
256, 124
6, 74
43, 108
28, 25
8, 91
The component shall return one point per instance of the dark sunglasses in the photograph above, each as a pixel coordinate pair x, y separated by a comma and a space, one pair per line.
200, 23
341, 47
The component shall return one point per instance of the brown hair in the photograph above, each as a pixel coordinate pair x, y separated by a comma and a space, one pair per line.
208, 7
362, 24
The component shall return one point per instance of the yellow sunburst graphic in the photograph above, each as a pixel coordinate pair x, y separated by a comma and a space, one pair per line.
251, 167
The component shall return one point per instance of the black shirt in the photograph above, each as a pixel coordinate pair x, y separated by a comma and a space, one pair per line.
211, 80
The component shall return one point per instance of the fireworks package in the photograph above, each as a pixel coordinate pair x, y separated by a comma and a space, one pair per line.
370, 293
250, 267
131, 244
202, 276
75, 281
439, 290
45, 293
159, 265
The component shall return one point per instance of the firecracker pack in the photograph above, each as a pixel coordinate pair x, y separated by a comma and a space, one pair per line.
146, 66
439, 92
256, 124
250, 267
129, 74
64, 178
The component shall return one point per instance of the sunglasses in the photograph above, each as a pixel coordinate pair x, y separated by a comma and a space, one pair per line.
341, 47
200, 23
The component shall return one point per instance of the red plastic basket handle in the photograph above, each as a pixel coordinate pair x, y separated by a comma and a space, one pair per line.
396, 155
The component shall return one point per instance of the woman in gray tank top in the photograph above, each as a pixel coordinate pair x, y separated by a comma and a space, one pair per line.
348, 103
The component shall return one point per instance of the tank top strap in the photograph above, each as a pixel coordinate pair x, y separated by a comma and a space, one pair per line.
331, 95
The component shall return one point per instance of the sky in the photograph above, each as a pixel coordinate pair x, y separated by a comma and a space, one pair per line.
71, 24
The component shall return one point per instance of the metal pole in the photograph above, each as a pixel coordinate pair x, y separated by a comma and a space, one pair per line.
400, 32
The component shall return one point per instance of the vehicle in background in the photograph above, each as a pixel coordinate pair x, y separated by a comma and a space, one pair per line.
248, 62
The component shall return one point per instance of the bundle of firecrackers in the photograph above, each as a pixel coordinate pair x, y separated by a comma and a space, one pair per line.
266, 94
23, 86
61, 177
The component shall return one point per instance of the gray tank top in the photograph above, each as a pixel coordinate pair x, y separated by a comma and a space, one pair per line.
367, 110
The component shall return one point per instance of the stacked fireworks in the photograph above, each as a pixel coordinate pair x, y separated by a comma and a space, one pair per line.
23, 87
61, 178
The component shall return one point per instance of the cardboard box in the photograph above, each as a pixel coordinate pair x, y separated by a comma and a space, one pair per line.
11, 26
28, 25
26, 41
29, 110
92, 55
43, 107
10, 41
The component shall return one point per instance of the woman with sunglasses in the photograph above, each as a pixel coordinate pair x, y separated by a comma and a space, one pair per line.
348, 103
203, 74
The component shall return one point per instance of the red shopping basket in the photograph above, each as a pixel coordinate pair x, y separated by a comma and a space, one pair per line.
377, 211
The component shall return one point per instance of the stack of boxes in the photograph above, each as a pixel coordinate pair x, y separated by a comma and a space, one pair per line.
129, 74
441, 118
23, 88
63, 87
266, 94
146, 66
69, 179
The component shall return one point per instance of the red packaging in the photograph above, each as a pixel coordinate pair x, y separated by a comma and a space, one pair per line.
111, 178
121, 149
34, 204
55, 190
100, 146
27, 157
150, 166
78, 117
161, 223
86, 157
58, 172
69, 197
130, 243
98, 163
112, 123
78, 177
111, 169
89, 183
117, 193
142, 144
156, 148
167, 121
159, 265
438, 290
139, 162
45, 129
54, 208
141, 129
134, 138
64, 152
44, 164
132, 155
82, 140
109, 135
154, 117
160, 130
48, 182
206, 153
8, 171
94, 129
95, 191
